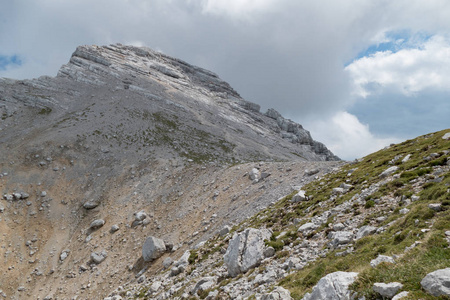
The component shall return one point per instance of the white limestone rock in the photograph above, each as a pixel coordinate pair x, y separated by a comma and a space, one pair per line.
153, 248
437, 283
387, 289
245, 250
333, 286
381, 258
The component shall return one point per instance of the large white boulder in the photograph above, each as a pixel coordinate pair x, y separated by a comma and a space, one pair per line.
437, 283
246, 250
153, 248
334, 286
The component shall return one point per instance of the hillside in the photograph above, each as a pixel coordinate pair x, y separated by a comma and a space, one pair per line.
124, 143
383, 219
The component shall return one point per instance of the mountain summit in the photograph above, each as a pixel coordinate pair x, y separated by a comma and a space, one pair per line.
148, 101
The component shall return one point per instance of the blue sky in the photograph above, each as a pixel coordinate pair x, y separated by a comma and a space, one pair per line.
358, 75
9, 61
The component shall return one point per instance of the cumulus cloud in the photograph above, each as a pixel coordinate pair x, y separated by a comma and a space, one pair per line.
408, 71
346, 136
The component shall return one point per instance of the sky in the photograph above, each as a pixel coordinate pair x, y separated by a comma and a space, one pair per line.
359, 75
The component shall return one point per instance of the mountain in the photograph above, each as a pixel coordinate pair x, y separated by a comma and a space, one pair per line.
130, 137
134, 175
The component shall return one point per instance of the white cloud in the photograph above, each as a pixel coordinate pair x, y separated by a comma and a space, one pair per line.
346, 136
236, 8
407, 71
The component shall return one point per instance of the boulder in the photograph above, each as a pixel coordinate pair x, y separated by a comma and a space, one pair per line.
446, 136
153, 248
91, 204
332, 286
364, 231
340, 238
437, 283
254, 174
245, 250
278, 293
224, 231
307, 227
387, 290
97, 258
381, 258
300, 196
97, 224
204, 284
389, 171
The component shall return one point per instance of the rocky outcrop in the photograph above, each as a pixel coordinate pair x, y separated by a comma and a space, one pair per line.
245, 250
333, 286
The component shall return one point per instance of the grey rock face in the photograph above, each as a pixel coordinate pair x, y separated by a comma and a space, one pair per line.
437, 283
153, 248
333, 286
245, 250
387, 289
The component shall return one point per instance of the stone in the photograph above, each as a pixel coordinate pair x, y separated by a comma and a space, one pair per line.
365, 231
254, 174
245, 250
307, 227
340, 238
435, 206
389, 171
140, 216
311, 172
404, 211
381, 258
64, 255
167, 262
91, 204
446, 136
406, 158
338, 226
114, 228
387, 289
153, 248
269, 252
300, 196
155, 286
278, 293
98, 258
338, 191
332, 286
225, 230
97, 224
204, 284
400, 295
437, 283
184, 259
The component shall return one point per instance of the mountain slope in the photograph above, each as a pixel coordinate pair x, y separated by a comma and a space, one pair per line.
394, 203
